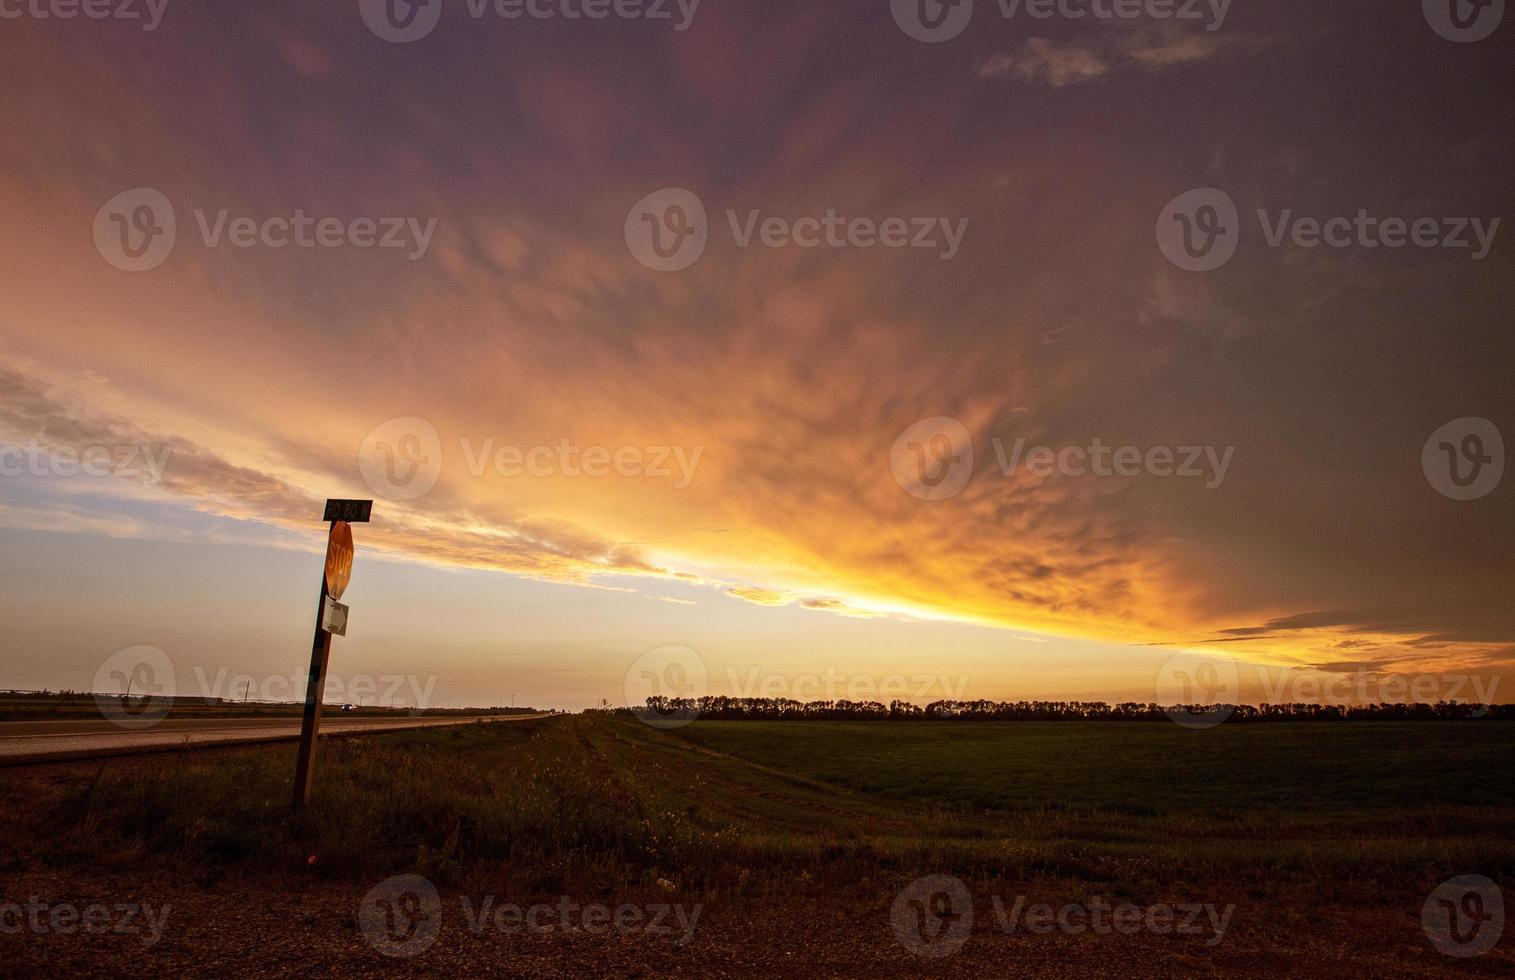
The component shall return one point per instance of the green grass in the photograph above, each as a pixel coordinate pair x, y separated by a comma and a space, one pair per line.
1342, 802
1327, 768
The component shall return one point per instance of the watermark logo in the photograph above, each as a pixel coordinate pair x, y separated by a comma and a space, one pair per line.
1101, 917
569, 917
144, 676
932, 21
935, 21
404, 21
135, 231
400, 917
1463, 21
1198, 231
677, 464
66, 919
932, 916
1198, 691
1201, 690
401, 21
660, 683
933, 459
393, 690
1464, 916
1208, 463
1464, 459
149, 12
146, 464
401, 459
833, 685
667, 230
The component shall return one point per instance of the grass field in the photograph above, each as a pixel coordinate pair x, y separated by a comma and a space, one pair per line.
1362, 819
610, 795
1143, 768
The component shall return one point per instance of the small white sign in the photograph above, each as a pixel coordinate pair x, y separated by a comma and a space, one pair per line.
335, 621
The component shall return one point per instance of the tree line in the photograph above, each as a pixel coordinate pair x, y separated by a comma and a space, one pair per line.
720, 708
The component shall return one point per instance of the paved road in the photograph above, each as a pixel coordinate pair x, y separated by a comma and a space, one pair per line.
39, 741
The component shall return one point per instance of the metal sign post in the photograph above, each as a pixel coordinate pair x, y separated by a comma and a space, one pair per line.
339, 554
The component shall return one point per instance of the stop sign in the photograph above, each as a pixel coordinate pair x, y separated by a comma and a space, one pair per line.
338, 559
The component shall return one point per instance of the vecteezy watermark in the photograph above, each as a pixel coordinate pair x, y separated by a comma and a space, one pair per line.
1200, 690
135, 688
1463, 21
1464, 459
394, 690
668, 230
831, 685
1208, 463
566, 458
148, 12
1102, 917
146, 464
660, 683
1199, 231
1464, 916
1197, 690
932, 916
145, 680
934, 21
403, 21
402, 460
933, 459
136, 231
401, 916
567, 916
97, 919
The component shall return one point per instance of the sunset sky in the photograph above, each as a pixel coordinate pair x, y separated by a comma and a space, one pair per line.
772, 382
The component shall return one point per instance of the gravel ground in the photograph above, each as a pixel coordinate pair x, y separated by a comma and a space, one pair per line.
311, 927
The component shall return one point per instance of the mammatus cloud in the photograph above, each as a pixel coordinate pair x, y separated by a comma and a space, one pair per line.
793, 369
1041, 60
32, 412
1056, 65
35, 413
761, 597
778, 597
1405, 639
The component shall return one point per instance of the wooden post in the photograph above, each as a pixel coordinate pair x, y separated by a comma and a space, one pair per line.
340, 514
315, 689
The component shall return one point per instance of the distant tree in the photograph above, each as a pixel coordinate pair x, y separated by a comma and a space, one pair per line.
723, 708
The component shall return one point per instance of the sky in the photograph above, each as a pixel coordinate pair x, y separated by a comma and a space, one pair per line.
713, 339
